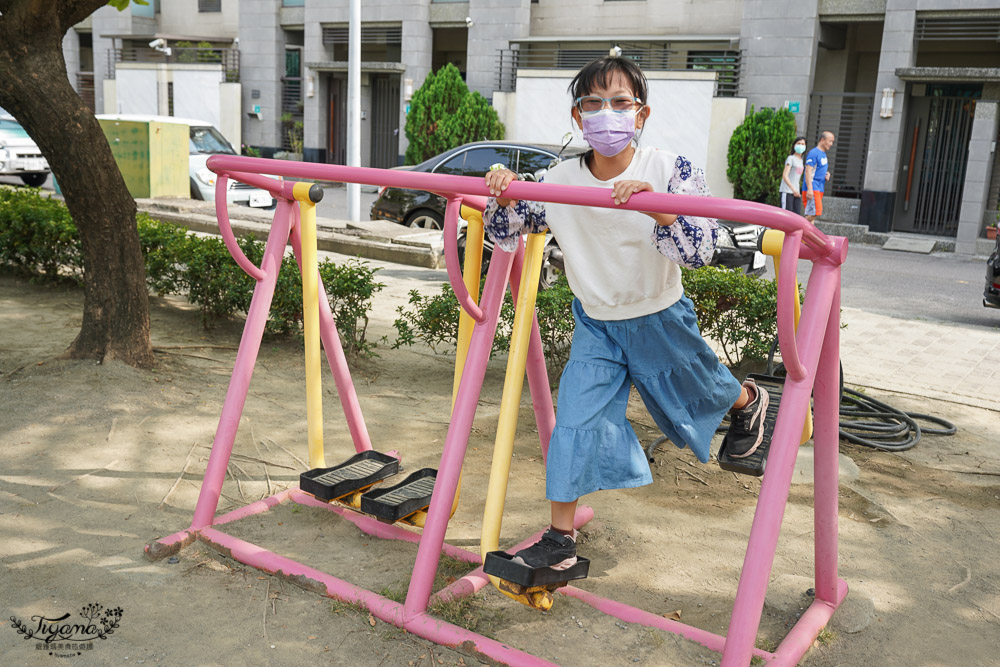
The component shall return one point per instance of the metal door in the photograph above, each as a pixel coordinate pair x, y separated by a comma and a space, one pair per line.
337, 136
385, 120
849, 117
934, 158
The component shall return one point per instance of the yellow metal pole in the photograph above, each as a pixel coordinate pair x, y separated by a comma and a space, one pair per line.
511, 400
771, 243
310, 324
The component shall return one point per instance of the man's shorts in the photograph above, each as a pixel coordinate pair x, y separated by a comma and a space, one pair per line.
814, 206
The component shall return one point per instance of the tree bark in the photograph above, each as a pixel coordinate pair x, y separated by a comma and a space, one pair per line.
35, 88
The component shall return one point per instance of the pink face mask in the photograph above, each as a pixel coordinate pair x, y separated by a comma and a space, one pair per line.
609, 132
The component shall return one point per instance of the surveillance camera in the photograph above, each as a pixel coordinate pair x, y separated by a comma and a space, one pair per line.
158, 43
469, 22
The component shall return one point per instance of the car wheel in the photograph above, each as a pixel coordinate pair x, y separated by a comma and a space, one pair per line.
425, 219
34, 180
195, 192
552, 266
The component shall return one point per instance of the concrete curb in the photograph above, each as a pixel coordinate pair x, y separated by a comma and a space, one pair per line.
400, 250
860, 234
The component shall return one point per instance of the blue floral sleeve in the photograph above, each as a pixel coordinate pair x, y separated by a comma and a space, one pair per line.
505, 225
691, 240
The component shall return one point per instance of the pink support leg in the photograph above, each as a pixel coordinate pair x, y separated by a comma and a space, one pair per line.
246, 357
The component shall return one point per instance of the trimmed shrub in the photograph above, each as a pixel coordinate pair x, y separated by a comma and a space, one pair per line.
433, 320
444, 114
37, 236
757, 152
38, 239
735, 309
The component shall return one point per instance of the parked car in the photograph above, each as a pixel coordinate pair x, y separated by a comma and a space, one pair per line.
205, 140
991, 294
737, 244
422, 209
19, 155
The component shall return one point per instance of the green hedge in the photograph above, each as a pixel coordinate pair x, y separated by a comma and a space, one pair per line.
433, 320
39, 240
733, 308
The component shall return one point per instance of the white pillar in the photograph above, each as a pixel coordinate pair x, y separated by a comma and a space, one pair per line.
354, 107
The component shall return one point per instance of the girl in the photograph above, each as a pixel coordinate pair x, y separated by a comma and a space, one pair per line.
791, 177
633, 323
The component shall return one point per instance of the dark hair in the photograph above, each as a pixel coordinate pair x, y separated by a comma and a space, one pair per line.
797, 140
597, 73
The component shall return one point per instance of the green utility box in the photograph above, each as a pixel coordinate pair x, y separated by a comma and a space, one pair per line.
152, 156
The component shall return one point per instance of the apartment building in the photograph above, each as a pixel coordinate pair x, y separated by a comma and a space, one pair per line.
909, 87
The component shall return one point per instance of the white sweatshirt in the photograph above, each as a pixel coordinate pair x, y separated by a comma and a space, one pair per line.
620, 264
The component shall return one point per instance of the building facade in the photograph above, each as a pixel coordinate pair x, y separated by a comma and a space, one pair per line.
909, 87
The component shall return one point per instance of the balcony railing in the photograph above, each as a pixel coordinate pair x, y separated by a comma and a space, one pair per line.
726, 62
228, 58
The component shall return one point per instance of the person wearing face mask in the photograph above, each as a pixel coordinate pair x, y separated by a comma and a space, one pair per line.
791, 176
633, 324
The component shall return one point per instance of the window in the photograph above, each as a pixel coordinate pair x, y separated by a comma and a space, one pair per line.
532, 162
479, 160
208, 141
453, 166
209, 6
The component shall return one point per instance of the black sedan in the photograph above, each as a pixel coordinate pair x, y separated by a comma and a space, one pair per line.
418, 208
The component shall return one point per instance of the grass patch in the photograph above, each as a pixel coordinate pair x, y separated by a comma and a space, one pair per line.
395, 593
825, 637
340, 607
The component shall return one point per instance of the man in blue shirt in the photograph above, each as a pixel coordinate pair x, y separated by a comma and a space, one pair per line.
816, 176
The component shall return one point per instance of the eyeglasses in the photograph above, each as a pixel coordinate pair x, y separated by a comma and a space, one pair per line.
593, 104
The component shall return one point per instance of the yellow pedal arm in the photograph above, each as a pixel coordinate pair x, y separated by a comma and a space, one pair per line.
771, 242
509, 406
310, 324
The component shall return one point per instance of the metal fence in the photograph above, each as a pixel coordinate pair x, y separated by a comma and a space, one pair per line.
229, 59
849, 117
727, 63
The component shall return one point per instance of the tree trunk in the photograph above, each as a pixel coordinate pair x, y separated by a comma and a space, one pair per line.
35, 88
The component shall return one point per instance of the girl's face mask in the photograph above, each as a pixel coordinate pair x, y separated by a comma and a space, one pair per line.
800, 148
609, 132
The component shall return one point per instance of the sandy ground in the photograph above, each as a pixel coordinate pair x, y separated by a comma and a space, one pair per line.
100, 460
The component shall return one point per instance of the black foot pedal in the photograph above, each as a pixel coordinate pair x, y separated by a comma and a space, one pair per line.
396, 502
754, 464
356, 473
500, 564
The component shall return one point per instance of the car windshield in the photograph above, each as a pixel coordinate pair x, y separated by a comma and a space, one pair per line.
208, 141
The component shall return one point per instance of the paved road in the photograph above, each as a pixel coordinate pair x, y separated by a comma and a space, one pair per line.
940, 287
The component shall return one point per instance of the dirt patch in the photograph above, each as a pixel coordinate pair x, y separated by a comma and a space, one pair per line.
100, 460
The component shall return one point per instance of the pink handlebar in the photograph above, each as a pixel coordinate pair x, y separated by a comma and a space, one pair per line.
222, 212
451, 260
800, 235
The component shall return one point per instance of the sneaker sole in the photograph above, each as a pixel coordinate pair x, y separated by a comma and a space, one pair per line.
764, 398
564, 565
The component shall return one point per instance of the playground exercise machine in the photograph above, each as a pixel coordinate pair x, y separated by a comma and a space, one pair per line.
427, 498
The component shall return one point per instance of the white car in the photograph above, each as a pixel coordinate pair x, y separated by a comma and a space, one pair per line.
205, 140
19, 155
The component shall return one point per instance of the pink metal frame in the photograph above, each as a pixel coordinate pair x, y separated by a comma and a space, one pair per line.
810, 353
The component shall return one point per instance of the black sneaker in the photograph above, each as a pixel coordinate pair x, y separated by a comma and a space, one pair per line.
746, 430
554, 550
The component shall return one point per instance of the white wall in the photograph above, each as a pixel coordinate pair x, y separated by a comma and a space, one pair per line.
137, 91
680, 104
727, 114
196, 95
